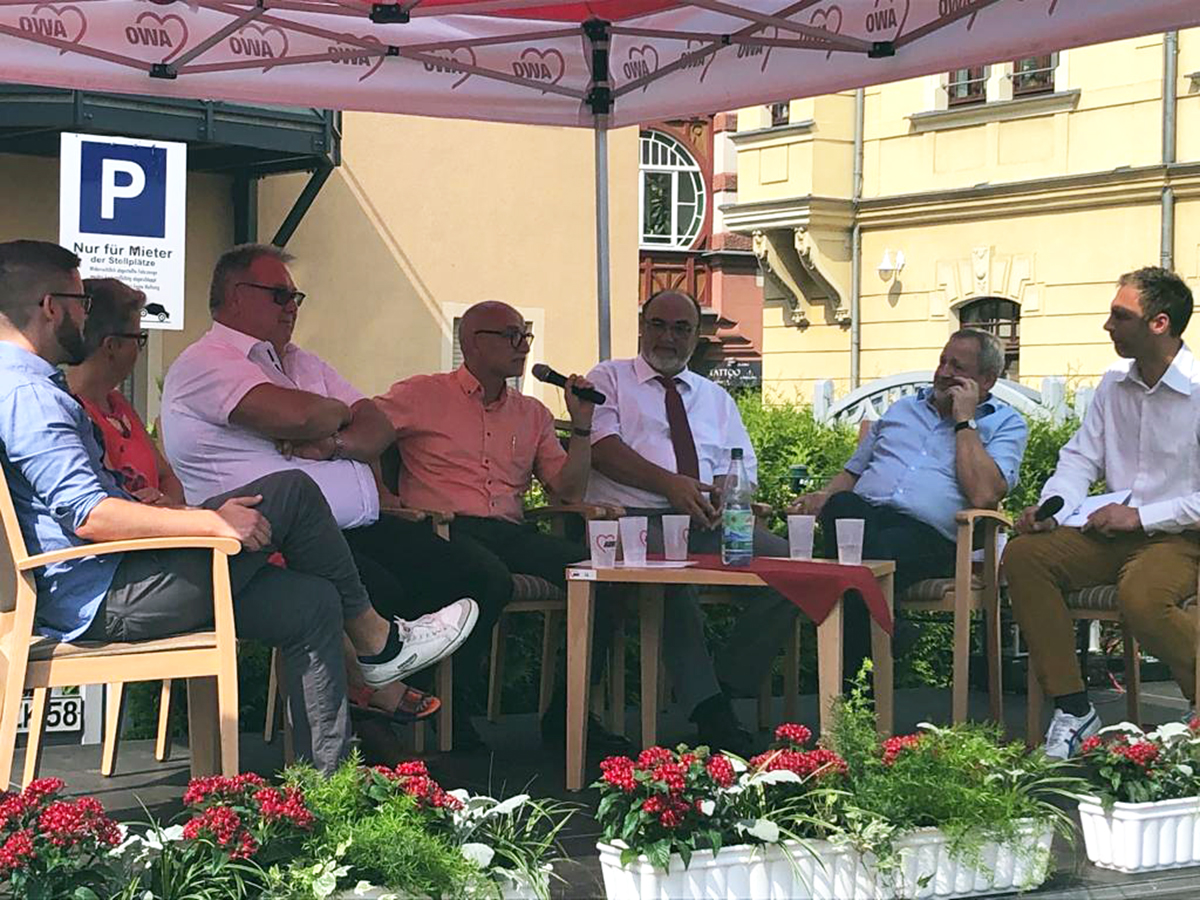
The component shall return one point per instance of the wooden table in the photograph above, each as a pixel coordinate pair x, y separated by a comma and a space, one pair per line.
651, 582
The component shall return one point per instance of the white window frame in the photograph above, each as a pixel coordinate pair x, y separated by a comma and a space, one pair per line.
684, 165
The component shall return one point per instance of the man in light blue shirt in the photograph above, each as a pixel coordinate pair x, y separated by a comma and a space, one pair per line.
942, 450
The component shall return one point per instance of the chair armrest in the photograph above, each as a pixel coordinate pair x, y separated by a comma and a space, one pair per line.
588, 511
971, 516
228, 546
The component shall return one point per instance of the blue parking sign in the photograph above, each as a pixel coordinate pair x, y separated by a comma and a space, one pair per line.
122, 189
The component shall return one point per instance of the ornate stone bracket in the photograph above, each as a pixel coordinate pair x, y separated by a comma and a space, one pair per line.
794, 269
776, 273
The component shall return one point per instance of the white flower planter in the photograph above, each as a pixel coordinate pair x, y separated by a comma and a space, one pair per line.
511, 889
752, 872
820, 870
929, 870
1140, 837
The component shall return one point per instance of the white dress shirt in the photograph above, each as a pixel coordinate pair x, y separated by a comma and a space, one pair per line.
211, 455
1141, 439
636, 412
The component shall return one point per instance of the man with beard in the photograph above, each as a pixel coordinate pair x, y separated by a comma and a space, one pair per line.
64, 497
932, 454
1140, 436
661, 444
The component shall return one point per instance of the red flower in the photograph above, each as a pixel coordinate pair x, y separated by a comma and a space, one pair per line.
41, 788
720, 769
223, 827
894, 746
796, 735
819, 762
287, 806
1091, 743
673, 775
1142, 754
618, 771
654, 756
17, 850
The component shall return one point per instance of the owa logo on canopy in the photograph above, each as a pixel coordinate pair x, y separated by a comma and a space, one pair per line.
122, 189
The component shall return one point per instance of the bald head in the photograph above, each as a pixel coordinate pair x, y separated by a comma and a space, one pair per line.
491, 335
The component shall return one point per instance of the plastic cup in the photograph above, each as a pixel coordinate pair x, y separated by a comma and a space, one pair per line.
800, 536
602, 538
675, 536
850, 541
633, 539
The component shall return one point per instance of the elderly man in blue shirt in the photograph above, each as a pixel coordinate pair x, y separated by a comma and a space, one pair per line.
934, 453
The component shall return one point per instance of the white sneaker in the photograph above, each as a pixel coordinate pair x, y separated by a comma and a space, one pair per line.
1067, 732
424, 642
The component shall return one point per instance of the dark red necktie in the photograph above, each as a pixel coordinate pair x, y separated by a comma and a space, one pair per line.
686, 461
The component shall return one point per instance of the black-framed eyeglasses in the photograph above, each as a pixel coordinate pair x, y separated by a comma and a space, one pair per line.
84, 299
678, 329
514, 336
280, 294
140, 336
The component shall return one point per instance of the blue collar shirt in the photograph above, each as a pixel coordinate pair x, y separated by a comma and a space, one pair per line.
907, 460
54, 467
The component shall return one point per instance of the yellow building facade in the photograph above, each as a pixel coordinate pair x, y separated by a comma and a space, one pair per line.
423, 218
1009, 196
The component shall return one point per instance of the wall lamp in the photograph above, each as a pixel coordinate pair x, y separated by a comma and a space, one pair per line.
889, 265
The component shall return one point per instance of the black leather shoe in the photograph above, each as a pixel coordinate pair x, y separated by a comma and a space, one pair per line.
600, 741
729, 737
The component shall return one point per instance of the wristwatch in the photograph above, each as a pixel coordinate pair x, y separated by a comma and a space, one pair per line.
339, 446
961, 426
581, 432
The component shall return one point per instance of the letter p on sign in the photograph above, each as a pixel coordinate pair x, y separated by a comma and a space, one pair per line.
122, 189
111, 171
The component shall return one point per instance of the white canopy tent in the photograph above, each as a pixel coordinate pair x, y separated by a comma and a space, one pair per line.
599, 64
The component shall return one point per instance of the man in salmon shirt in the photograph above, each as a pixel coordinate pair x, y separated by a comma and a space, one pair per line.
470, 445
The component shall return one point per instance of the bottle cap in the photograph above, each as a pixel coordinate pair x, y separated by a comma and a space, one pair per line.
736, 453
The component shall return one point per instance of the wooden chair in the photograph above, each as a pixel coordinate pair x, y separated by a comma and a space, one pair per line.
1099, 603
974, 588
207, 659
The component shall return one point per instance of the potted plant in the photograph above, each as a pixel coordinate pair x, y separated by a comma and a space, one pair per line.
945, 812
394, 832
1143, 809
688, 823
52, 848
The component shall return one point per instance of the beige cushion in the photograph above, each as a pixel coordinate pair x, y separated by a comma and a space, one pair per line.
931, 590
529, 587
1102, 598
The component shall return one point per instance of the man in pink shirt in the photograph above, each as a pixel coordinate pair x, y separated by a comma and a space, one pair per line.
470, 445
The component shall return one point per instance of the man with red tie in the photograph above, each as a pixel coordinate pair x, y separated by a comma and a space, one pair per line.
661, 444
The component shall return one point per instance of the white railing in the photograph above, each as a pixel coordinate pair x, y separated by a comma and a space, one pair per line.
871, 400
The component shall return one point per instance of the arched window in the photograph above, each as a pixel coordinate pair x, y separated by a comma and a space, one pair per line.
1001, 318
671, 193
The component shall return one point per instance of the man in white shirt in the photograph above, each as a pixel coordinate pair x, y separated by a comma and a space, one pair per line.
1139, 435
660, 444
243, 401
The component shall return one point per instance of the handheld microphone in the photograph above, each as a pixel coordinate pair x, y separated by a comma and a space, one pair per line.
1049, 508
543, 372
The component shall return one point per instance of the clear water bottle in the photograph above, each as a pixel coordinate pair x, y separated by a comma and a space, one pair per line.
737, 517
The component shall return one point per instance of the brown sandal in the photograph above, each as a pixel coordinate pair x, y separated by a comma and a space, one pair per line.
413, 706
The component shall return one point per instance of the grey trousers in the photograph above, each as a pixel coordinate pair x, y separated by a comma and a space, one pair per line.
762, 626
299, 609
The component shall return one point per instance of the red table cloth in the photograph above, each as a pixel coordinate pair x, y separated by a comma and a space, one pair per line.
813, 586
